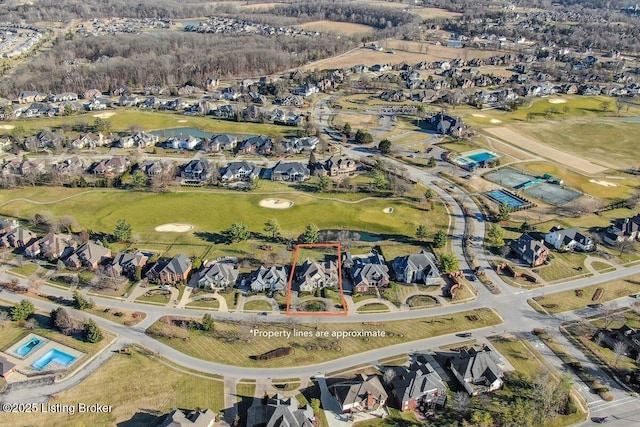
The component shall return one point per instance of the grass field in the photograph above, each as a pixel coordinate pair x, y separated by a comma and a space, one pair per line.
27, 269
563, 266
212, 213
568, 300
134, 385
258, 305
213, 304
229, 344
374, 306
345, 28
123, 119
525, 360
124, 317
624, 188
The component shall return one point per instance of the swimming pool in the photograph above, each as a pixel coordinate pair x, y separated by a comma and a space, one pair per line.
476, 158
482, 157
28, 347
56, 356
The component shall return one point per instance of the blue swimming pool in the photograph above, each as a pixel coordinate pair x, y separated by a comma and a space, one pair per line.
482, 157
28, 347
55, 356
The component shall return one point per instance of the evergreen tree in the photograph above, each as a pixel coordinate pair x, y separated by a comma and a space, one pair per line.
272, 227
238, 232
421, 232
91, 332
208, 324
123, 231
440, 239
23, 310
310, 234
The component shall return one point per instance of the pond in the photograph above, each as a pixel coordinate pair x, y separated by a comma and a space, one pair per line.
356, 236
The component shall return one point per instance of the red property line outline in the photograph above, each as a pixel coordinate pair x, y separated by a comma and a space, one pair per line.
344, 311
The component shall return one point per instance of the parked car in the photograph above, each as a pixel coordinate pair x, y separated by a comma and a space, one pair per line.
464, 335
600, 420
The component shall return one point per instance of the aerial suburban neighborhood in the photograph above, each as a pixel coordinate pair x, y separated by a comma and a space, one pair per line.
314, 213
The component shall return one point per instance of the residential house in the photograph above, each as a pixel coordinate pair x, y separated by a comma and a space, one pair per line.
628, 336
195, 169
290, 172
240, 171
477, 370
128, 101
367, 273
153, 168
88, 140
447, 125
269, 279
6, 367
301, 145
261, 144
218, 275
112, 166
532, 251
52, 245
306, 89
417, 384
28, 96
70, 167
183, 418
183, 142
38, 109
127, 263
174, 271
364, 393
312, 275
286, 412
417, 268
337, 166
89, 255
223, 142
7, 225
568, 239
623, 229
137, 140
17, 238
97, 104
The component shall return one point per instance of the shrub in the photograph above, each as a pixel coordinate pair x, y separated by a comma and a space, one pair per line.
273, 354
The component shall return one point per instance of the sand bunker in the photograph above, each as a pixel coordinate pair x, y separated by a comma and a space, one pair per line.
8, 127
174, 228
387, 210
603, 183
182, 121
557, 101
478, 115
104, 115
276, 203
495, 121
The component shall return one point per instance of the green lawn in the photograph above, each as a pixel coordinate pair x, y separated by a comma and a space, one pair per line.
134, 384
569, 300
155, 298
563, 266
230, 342
374, 306
258, 305
602, 266
124, 317
525, 360
27, 269
422, 301
211, 213
231, 298
204, 304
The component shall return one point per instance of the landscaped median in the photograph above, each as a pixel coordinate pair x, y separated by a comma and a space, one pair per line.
239, 343
582, 297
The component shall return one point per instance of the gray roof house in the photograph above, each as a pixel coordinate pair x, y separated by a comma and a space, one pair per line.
195, 169
240, 171
218, 275
568, 239
530, 250
115, 165
286, 412
18, 238
88, 255
290, 171
127, 263
176, 270
223, 142
51, 245
6, 367
366, 272
416, 384
417, 268
623, 229
477, 370
361, 394
272, 278
181, 418
312, 275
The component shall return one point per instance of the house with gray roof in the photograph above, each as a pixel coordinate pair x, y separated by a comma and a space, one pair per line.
218, 275
176, 270
290, 172
112, 166
417, 268
6, 367
183, 142
158, 167
18, 238
126, 263
223, 142
477, 370
532, 251
272, 278
366, 272
417, 384
51, 245
287, 412
569, 239
88, 255
240, 171
6, 225
137, 140
623, 229
312, 275
260, 144
360, 394
183, 418
195, 169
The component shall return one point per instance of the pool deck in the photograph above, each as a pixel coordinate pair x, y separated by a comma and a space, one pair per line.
23, 365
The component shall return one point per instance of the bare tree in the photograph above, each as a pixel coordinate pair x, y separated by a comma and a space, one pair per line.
623, 246
462, 403
35, 282
620, 349
389, 375
4, 319
67, 223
